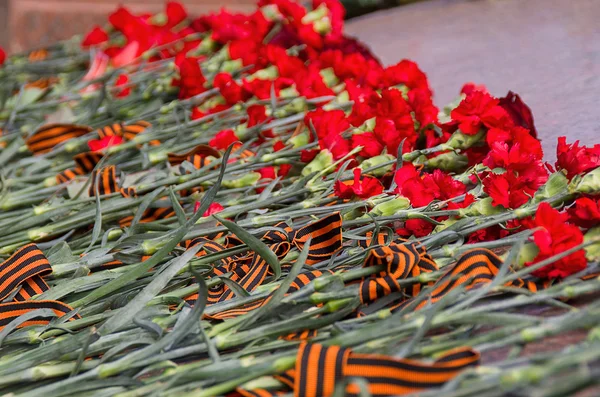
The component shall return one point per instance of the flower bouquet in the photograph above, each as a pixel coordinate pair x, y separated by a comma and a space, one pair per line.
252, 205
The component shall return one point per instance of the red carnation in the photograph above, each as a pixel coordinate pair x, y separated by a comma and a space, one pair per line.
423, 189
96, 36
469, 88
230, 90
574, 159
2, 56
121, 81
97, 145
477, 110
511, 190
415, 227
365, 188
223, 139
175, 14
585, 213
555, 237
256, 115
213, 208
191, 80
518, 111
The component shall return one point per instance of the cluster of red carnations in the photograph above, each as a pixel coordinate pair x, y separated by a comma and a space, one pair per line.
289, 50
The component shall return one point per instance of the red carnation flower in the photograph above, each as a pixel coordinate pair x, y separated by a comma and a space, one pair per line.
121, 81
213, 208
511, 190
585, 213
423, 189
365, 188
555, 237
2, 56
415, 227
230, 90
469, 88
175, 14
519, 112
256, 115
477, 110
574, 159
191, 80
97, 145
96, 36
223, 139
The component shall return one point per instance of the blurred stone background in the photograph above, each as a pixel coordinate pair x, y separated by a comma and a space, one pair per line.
548, 51
34, 23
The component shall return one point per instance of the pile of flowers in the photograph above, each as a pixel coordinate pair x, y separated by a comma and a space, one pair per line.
251, 204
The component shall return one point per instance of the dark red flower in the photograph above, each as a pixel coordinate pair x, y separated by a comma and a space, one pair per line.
306, 156
519, 112
477, 110
469, 88
223, 139
365, 188
229, 89
256, 115
121, 81
423, 189
575, 159
97, 145
408, 73
213, 208
2, 56
416, 227
585, 213
176, 14
96, 36
371, 146
191, 80
511, 190
555, 237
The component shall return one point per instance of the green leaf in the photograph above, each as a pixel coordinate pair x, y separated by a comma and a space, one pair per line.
254, 244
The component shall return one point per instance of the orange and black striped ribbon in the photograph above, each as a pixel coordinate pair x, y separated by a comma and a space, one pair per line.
84, 164
24, 270
474, 267
150, 215
199, 151
106, 178
48, 136
127, 132
401, 260
326, 238
319, 368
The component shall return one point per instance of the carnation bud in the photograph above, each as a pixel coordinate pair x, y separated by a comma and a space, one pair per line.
207, 46
445, 224
449, 161
157, 156
315, 15
271, 12
329, 77
159, 19
557, 183
232, 66
322, 26
480, 207
246, 180
296, 106
289, 92
299, 140
269, 73
527, 253
322, 160
592, 252
589, 183
377, 161
458, 140
391, 207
